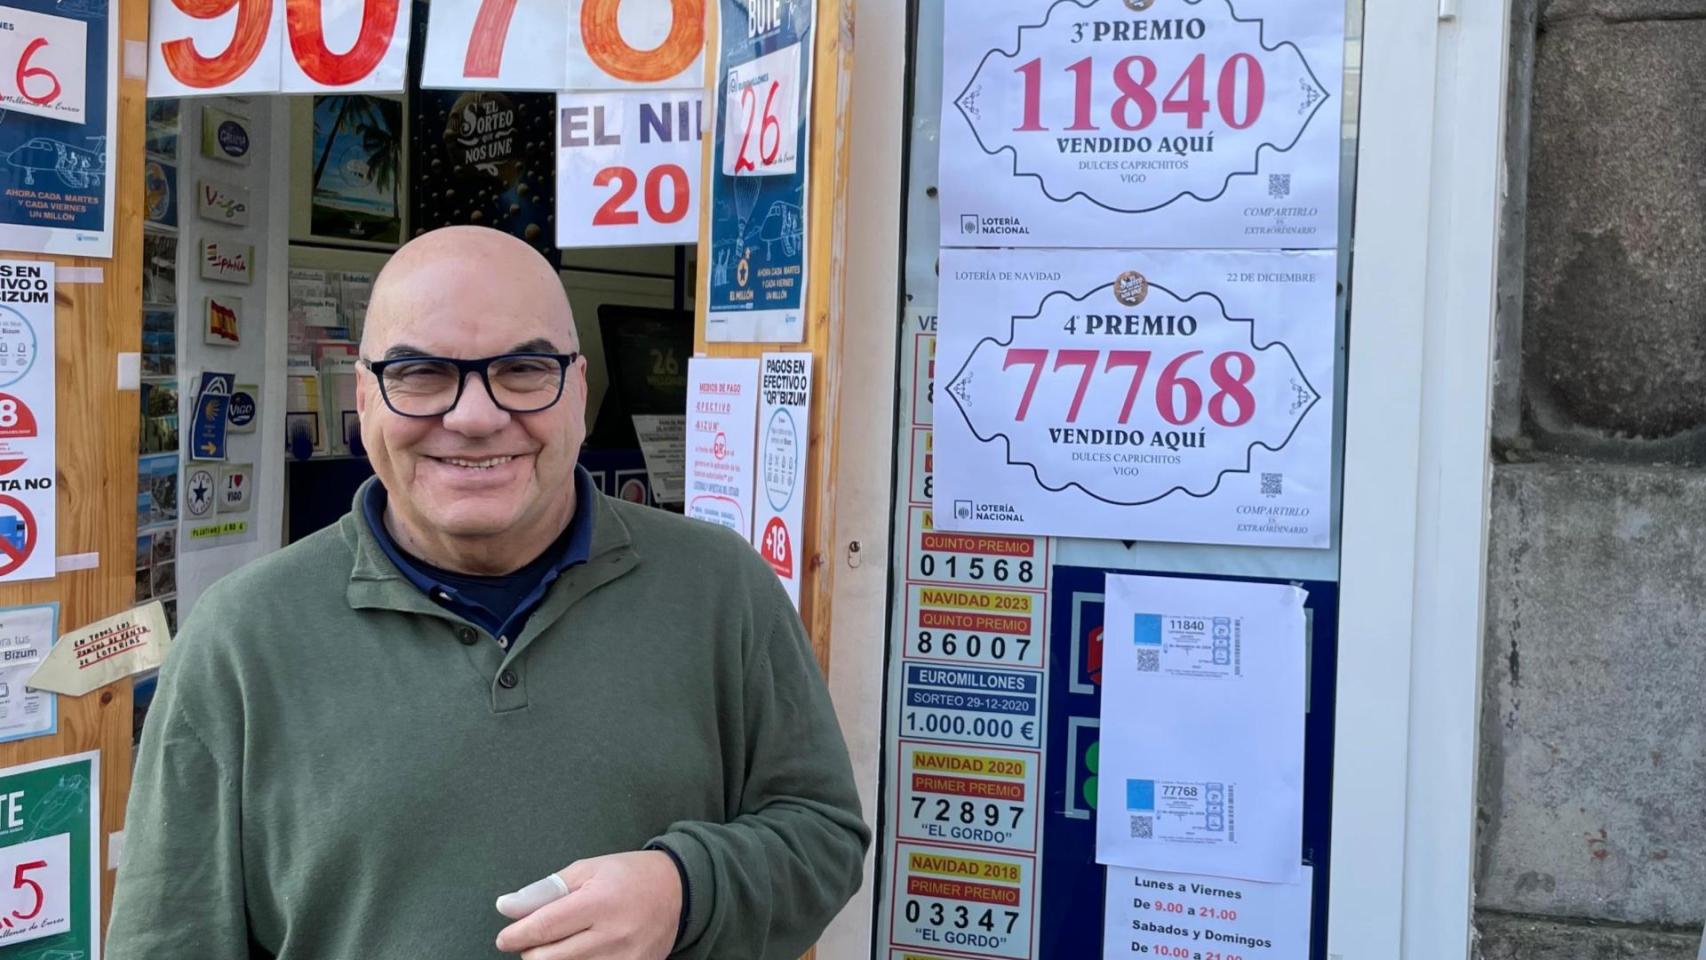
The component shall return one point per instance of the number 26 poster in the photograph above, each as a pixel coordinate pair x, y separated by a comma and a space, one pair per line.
757, 282
59, 94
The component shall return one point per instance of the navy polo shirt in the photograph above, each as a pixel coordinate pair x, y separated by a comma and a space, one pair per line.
499, 605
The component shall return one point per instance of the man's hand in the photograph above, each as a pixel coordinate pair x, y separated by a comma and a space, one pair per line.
626, 906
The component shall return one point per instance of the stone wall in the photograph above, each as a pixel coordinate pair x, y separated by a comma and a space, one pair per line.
1592, 839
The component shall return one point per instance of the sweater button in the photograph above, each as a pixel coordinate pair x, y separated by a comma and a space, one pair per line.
508, 680
467, 636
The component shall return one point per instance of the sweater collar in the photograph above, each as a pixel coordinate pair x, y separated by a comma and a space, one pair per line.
377, 583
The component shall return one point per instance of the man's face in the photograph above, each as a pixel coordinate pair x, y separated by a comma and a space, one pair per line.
477, 472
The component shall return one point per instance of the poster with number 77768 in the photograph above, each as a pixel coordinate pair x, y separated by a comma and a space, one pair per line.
1174, 396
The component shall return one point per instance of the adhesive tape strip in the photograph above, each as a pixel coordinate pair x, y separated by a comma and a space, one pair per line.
135, 60
531, 897
76, 561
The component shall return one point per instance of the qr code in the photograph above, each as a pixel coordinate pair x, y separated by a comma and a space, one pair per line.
1279, 185
1148, 661
1273, 484
1142, 828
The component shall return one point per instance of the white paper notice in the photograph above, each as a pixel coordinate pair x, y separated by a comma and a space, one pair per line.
26, 639
372, 43
663, 442
1180, 915
628, 168
722, 411
28, 503
232, 53
1202, 728
42, 65
784, 419
635, 44
1139, 395
1108, 123
475, 45
46, 862
773, 77
105, 651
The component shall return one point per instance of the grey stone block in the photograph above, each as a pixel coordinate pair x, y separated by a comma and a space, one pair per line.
1593, 759
1622, 10
1523, 938
1614, 332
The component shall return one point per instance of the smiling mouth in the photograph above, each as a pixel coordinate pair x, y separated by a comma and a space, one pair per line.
483, 463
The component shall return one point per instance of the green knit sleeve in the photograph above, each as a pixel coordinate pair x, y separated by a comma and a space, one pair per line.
180, 886
765, 885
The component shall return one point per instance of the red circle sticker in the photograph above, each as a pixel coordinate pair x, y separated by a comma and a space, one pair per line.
777, 546
17, 534
633, 491
17, 422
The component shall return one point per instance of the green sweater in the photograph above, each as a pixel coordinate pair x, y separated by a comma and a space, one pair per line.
335, 768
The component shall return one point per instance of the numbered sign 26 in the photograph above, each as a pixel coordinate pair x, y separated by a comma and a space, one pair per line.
762, 118
628, 168
208, 47
583, 45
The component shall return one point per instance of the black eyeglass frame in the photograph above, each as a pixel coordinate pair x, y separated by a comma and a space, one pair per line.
479, 365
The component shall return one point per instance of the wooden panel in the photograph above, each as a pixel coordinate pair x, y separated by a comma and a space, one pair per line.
96, 450
826, 192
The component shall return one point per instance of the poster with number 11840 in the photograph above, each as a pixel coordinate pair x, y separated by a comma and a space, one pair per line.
1141, 123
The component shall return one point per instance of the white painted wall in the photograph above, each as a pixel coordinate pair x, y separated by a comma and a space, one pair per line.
259, 359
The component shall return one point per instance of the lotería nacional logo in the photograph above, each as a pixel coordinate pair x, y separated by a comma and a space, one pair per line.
968, 223
1130, 288
1140, 5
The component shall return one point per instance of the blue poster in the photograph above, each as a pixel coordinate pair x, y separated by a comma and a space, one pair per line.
759, 172
1071, 892
55, 195
212, 408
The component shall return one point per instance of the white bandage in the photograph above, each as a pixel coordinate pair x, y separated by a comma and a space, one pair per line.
531, 897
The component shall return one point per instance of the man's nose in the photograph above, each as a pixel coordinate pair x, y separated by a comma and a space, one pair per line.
475, 414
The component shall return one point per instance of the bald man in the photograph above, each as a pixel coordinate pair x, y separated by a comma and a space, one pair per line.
487, 674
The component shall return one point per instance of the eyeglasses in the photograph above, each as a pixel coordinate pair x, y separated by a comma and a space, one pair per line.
432, 386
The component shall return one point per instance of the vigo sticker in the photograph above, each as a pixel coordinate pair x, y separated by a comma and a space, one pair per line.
999, 627
984, 798
971, 706
1202, 123
977, 559
963, 901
